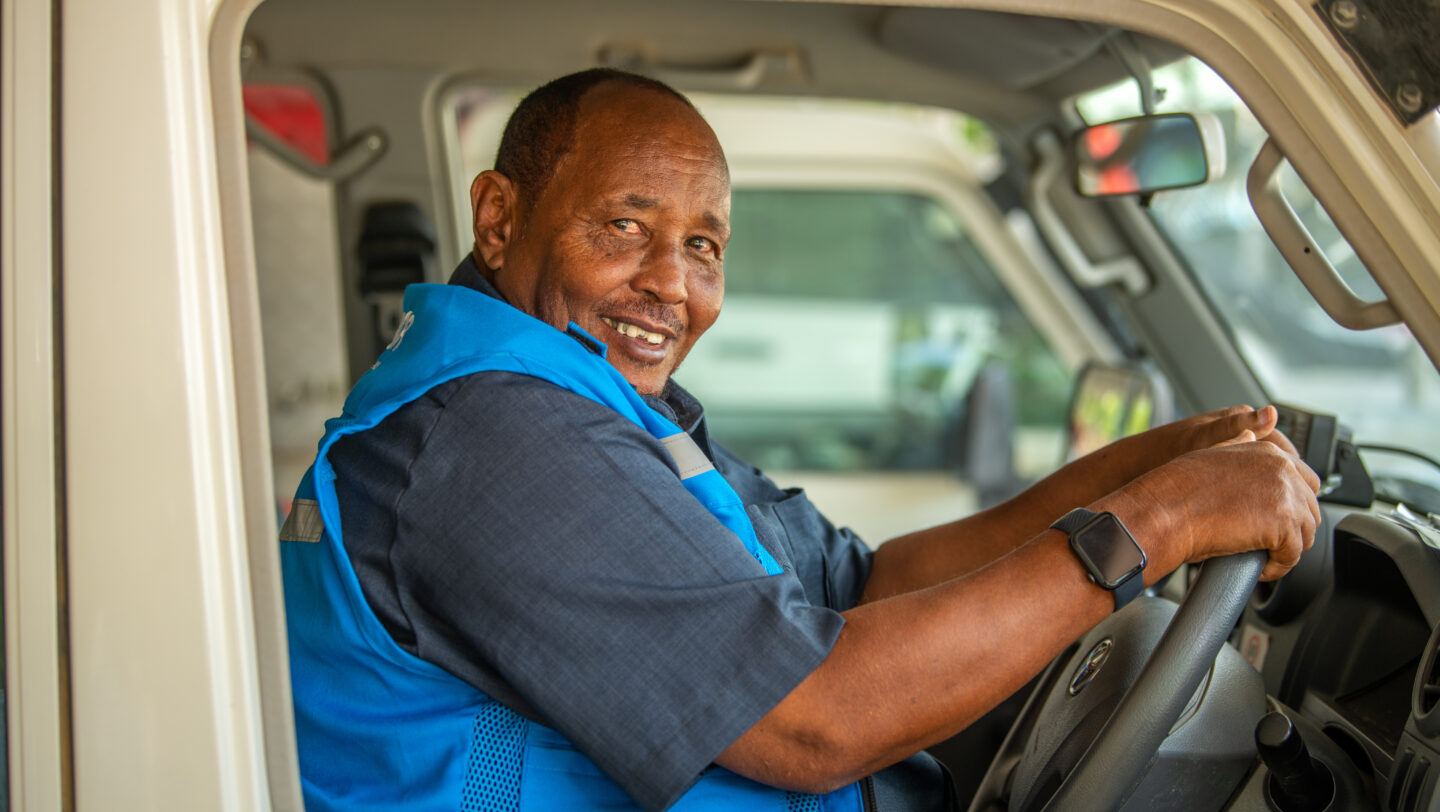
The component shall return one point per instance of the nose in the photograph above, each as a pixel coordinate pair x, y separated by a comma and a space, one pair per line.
662, 274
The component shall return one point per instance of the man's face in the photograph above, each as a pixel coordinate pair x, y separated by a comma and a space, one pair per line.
626, 239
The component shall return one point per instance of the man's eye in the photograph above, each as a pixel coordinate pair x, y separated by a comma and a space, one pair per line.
627, 226
701, 244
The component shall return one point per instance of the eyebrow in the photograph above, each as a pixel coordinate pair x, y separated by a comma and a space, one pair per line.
639, 202
643, 203
713, 220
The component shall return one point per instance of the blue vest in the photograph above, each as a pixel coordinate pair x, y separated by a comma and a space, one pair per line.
380, 729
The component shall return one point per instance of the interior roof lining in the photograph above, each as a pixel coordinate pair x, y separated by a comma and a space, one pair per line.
961, 58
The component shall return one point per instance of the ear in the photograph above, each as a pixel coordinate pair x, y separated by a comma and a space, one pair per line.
494, 204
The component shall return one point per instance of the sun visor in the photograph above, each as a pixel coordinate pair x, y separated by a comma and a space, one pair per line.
1054, 57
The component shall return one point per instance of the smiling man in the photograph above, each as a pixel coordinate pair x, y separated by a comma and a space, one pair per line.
520, 574
624, 235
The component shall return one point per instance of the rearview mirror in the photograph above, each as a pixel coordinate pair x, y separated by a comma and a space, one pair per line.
1147, 154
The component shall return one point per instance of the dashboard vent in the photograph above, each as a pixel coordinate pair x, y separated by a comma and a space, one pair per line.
1407, 782
1429, 690
1426, 701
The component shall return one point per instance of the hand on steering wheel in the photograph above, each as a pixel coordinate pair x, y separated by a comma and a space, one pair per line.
1117, 759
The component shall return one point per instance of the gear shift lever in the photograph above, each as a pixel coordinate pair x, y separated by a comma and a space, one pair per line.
1297, 782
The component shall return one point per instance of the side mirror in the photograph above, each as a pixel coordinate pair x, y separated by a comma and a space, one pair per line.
1148, 154
1111, 402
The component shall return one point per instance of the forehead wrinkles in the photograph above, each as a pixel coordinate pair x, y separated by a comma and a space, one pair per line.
656, 175
645, 123
663, 173
645, 144
653, 147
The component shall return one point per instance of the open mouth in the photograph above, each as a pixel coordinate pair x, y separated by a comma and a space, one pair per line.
635, 331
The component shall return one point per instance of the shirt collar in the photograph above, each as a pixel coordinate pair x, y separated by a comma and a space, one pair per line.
682, 408
468, 275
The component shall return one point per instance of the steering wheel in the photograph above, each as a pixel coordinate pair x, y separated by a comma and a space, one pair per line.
1115, 761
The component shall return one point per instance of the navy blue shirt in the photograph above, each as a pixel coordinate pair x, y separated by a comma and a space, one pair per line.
540, 547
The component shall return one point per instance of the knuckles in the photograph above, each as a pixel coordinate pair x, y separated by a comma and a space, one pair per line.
1248, 495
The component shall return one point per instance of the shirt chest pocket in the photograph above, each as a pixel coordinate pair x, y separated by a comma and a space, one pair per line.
793, 531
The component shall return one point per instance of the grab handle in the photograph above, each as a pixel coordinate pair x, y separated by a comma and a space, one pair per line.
1300, 250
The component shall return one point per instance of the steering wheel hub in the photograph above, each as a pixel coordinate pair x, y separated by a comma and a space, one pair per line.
1091, 665
1154, 704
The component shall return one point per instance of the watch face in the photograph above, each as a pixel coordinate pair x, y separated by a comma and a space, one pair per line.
1108, 549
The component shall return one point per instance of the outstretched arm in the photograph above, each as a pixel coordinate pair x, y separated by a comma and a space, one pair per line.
937, 554
914, 668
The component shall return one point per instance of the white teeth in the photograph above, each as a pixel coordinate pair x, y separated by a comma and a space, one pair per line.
635, 332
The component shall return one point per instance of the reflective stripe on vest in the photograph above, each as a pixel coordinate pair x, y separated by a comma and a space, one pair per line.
380, 729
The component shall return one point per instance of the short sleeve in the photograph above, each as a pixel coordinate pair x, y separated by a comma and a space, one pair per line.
832, 564
543, 540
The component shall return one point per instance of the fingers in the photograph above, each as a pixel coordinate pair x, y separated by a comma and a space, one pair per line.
1271, 416
1281, 561
1267, 416
1232, 493
1308, 474
1266, 420
1222, 425
1284, 557
1282, 442
1229, 420
1242, 494
1246, 436
1298, 534
1301, 469
1315, 516
1228, 411
1275, 569
1260, 421
1162, 444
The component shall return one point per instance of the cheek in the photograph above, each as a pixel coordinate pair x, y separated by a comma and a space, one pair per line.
607, 245
576, 282
706, 297
592, 287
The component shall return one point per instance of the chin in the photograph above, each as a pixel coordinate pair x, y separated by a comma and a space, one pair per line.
645, 381
647, 387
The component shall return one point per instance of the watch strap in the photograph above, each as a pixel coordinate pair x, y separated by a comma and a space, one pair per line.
1132, 585
1128, 590
1074, 520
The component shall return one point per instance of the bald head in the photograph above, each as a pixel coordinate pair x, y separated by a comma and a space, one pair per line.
542, 128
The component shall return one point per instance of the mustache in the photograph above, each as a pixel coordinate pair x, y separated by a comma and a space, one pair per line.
652, 313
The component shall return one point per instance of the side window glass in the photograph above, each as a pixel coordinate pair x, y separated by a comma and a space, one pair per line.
864, 333
298, 268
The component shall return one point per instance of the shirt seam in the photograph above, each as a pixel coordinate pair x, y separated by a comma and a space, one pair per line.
401, 600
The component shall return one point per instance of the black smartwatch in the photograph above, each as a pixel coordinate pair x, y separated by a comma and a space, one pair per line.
1108, 551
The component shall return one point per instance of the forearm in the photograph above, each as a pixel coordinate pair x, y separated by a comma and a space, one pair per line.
915, 669
912, 669
937, 554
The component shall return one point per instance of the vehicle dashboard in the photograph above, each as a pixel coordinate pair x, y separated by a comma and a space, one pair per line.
1348, 640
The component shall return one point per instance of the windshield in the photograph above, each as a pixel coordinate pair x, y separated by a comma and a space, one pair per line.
1378, 382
